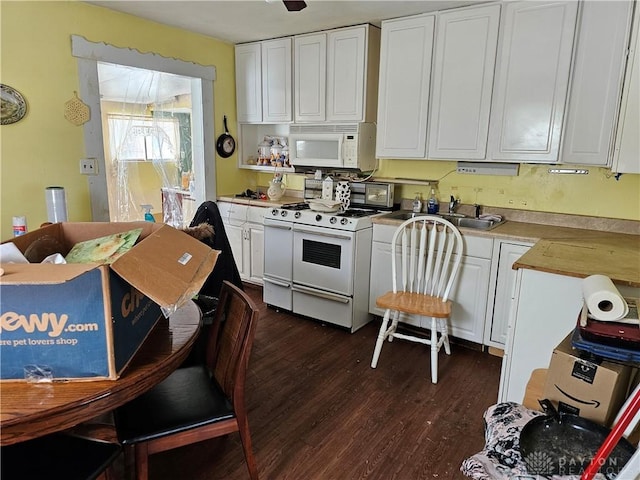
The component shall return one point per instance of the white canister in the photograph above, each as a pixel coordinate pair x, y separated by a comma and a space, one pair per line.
56, 204
19, 225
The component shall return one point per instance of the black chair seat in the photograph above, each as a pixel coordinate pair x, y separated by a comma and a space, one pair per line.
188, 398
57, 456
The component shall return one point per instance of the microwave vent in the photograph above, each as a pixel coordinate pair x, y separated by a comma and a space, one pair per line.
343, 128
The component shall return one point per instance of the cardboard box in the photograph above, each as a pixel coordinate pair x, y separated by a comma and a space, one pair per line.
86, 321
587, 387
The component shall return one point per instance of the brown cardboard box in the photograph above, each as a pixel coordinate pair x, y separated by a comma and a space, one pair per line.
592, 389
86, 321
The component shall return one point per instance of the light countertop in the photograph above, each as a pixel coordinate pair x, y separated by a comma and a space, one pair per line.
610, 247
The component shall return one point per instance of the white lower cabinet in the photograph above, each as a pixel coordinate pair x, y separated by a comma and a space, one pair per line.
471, 289
245, 230
501, 293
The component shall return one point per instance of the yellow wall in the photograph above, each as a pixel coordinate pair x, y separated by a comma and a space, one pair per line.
44, 149
597, 194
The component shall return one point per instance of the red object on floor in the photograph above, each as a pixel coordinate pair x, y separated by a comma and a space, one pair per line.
612, 439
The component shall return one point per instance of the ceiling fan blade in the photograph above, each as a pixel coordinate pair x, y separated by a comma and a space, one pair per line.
294, 5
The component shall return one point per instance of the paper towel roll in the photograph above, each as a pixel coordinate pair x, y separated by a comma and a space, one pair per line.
56, 204
603, 299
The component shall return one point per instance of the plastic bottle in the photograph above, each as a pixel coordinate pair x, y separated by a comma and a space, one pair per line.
417, 203
432, 204
148, 216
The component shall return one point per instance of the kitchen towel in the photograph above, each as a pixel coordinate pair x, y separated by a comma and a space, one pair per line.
56, 204
604, 301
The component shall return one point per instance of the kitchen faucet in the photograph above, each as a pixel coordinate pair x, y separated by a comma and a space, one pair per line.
478, 210
453, 204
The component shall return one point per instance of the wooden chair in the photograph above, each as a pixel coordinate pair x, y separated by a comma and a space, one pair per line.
429, 249
198, 402
58, 455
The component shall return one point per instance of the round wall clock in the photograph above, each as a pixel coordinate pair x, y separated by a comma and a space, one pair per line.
12, 105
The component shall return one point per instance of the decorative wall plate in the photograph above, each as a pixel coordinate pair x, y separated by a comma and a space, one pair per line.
12, 105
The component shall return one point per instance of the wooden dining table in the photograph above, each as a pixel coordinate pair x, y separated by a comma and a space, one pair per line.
29, 410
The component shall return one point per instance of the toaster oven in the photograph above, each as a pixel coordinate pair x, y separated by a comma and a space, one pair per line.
378, 195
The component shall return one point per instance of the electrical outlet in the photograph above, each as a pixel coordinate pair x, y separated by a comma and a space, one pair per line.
88, 166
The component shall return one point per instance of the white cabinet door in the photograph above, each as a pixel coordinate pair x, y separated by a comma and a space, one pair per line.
380, 275
464, 63
502, 284
249, 82
531, 81
470, 299
235, 234
405, 78
255, 234
276, 80
626, 157
345, 74
596, 85
310, 67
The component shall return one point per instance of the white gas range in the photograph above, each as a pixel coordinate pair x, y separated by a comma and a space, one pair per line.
317, 264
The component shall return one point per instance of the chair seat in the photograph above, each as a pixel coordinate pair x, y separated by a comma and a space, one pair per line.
57, 456
187, 399
415, 303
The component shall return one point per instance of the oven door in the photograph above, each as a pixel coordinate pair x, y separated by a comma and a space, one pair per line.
323, 258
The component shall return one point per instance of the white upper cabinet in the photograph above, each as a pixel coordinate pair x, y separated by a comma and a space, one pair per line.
310, 60
345, 74
336, 75
263, 81
249, 82
531, 83
405, 78
464, 62
276, 80
598, 71
626, 158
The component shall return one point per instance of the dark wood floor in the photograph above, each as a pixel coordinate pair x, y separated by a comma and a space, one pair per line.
318, 411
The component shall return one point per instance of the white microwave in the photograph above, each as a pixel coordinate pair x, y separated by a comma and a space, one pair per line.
350, 146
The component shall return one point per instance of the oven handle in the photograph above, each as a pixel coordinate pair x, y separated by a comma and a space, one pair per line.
322, 234
316, 293
276, 282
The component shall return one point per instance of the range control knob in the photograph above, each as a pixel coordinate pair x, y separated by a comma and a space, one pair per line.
283, 213
297, 214
274, 212
318, 217
333, 220
344, 221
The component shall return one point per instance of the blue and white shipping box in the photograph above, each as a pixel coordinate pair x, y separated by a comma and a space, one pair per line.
86, 321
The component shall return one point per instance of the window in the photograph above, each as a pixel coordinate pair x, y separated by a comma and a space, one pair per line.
140, 139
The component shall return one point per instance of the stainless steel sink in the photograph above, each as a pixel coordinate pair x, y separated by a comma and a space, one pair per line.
457, 219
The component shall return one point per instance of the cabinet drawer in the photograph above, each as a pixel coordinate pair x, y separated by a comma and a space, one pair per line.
233, 212
256, 214
481, 247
